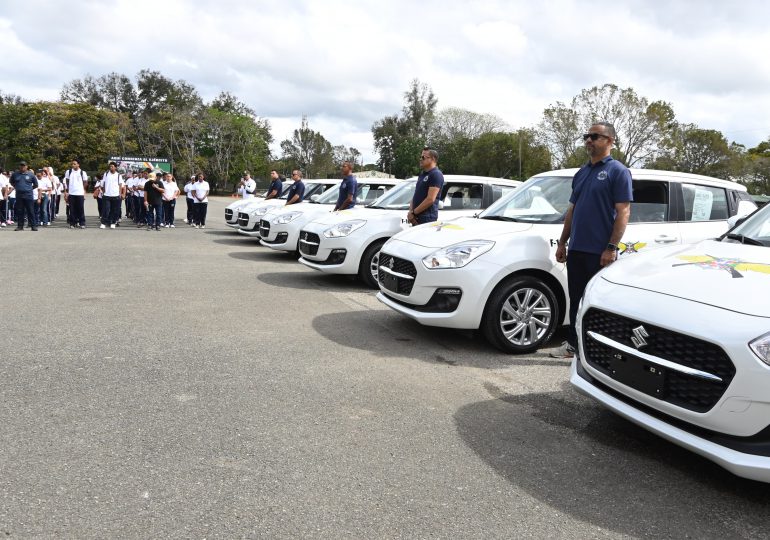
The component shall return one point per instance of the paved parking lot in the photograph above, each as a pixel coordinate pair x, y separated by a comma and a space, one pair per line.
187, 383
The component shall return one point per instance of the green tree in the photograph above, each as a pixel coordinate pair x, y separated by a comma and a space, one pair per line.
309, 151
695, 150
502, 154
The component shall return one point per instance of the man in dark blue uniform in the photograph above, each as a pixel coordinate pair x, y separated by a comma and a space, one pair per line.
348, 188
596, 219
424, 205
297, 189
276, 186
24, 182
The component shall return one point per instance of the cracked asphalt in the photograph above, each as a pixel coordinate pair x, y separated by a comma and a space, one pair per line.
190, 384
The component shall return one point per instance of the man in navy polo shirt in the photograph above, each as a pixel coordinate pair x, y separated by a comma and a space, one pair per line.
25, 182
596, 219
276, 186
348, 188
424, 205
297, 189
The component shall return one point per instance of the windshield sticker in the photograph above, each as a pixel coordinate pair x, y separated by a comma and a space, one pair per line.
630, 247
441, 225
731, 266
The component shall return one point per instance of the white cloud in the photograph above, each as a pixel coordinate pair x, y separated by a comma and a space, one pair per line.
346, 64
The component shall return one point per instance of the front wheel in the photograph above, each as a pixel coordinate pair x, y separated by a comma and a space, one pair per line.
521, 315
367, 269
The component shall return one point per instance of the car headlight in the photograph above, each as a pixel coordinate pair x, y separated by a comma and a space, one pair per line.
261, 211
761, 347
457, 255
344, 228
286, 218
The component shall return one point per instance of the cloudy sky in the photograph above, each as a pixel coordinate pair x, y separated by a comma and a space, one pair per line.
345, 64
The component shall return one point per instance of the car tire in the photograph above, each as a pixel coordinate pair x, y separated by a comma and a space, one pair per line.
367, 268
521, 315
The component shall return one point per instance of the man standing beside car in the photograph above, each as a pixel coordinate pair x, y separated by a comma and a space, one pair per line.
276, 186
297, 190
25, 183
424, 205
595, 221
348, 188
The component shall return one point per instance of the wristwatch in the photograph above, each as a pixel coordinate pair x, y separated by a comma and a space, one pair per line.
611, 247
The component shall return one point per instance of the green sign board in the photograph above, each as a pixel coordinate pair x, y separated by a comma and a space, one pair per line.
138, 163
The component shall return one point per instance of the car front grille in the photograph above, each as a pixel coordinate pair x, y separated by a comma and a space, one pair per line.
264, 228
395, 265
243, 219
308, 243
228, 214
685, 390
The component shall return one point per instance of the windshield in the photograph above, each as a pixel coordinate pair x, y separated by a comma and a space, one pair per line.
544, 199
397, 198
755, 230
325, 197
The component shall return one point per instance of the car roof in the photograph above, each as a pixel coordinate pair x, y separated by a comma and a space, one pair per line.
653, 174
463, 178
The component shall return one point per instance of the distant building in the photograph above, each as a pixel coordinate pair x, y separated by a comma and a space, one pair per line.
372, 174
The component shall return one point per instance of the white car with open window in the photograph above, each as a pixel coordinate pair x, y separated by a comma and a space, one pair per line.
348, 242
498, 272
280, 227
250, 215
678, 341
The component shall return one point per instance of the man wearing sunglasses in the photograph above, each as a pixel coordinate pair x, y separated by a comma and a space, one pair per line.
595, 220
424, 205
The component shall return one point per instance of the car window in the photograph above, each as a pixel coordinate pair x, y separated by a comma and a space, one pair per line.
462, 196
704, 203
542, 199
367, 193
650, 204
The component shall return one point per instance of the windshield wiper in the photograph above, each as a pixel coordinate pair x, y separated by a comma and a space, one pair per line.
499, 218
744, 239
375, 206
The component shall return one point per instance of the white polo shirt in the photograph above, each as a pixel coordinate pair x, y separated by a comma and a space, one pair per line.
4, 183
249, 187
45, 185
76, 181
170, 190
188, 189
111, 183
201, 188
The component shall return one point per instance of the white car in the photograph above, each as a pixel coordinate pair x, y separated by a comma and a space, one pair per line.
250, 215
498, 272
678, 342
279, 229
232, 209
348, 242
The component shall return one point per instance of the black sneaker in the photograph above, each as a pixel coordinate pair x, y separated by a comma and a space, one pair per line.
34, 228
19, 229
157, 228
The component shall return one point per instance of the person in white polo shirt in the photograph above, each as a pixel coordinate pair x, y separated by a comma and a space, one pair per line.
189, 199
248, 186
170, 193
76, 180
200, 191
113, 192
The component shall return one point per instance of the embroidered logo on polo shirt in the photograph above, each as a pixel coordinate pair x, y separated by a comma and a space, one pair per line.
602, 175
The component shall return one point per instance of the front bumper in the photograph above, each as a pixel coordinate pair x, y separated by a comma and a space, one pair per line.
325, 250
746, 465
281, 237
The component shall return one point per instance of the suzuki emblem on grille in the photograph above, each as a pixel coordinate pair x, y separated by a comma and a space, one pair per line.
638, 338
390, 264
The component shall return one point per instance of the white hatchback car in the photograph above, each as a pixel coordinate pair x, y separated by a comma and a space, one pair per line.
279, 229
348, 242
232, 209
678, 342
250, 215
499, 273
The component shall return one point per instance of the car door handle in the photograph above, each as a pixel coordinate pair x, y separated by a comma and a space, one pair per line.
665, 239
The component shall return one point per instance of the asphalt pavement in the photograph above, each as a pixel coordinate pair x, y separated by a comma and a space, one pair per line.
188, 383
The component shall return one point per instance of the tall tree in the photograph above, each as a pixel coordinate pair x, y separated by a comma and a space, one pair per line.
309, 151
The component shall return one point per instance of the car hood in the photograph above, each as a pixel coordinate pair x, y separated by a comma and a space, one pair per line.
240, 203
332, 218
727, 275
445, 233
304, 208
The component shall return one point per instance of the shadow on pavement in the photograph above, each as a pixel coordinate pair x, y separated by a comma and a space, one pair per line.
237, 241
310, 279
599, 468
260, 254
226, 232
388, 334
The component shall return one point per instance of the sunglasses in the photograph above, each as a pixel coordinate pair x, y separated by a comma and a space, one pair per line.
593, 136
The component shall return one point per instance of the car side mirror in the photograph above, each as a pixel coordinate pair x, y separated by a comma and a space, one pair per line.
735, 220
314, 198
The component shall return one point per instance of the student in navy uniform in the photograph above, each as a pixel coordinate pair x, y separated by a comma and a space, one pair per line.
424, 205
348, 188
276, 186
25, 182
153, 202
297, 189
596, 219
